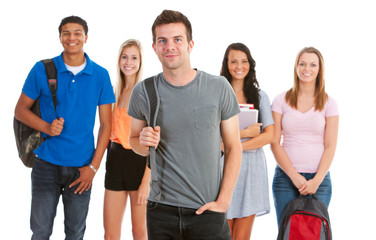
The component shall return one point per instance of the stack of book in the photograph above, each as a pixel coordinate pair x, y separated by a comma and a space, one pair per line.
247, 116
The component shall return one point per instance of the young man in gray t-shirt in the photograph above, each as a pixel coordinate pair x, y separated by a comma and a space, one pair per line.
196, 110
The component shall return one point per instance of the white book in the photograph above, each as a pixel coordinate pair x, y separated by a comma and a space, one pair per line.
247, 117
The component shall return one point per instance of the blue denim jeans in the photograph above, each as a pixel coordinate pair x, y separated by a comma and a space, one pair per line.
284, 190
48, 183
166, 222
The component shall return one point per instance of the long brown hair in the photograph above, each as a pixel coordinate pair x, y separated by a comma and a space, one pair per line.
121, 78
320, 94
251, 85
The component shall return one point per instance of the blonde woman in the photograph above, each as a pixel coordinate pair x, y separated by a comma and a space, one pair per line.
126, 172
307, 119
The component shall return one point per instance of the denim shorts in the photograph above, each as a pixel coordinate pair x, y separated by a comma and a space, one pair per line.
284, 190
166, 222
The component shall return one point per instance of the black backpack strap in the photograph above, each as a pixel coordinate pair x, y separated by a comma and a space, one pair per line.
153, 102
51, 72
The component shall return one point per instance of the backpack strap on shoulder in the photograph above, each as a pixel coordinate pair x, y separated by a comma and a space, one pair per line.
27, 138
51, 72
150, 86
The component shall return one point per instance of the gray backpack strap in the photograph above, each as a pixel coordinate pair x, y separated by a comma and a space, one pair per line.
150, 86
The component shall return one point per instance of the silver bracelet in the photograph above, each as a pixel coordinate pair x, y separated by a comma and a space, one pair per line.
93, 168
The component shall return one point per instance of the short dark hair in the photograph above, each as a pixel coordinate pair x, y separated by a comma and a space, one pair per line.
74, 19
170, 16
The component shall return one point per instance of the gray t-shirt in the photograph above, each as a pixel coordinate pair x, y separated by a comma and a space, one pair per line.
188, 155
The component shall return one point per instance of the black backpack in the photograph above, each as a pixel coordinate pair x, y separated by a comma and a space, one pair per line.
29, 139
305, 218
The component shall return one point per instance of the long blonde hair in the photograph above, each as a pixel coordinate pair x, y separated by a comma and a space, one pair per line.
320, 94
121, 78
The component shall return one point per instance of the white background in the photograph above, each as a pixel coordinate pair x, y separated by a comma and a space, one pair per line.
344, 32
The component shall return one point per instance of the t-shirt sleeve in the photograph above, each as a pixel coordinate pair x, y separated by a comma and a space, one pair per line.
277, 105
265, 112
229, 103
138, 102
331, 108
107, 94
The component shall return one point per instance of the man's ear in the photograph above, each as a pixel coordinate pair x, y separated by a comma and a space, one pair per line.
190, 45
154, 47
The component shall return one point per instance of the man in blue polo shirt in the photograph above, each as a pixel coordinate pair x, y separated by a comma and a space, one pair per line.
67, 160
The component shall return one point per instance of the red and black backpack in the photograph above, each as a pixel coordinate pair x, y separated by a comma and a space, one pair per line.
305, 218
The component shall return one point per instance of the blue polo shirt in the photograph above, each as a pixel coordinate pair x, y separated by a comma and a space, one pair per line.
78, 97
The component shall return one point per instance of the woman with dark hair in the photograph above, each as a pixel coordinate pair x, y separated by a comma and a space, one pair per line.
251, 194
307, 119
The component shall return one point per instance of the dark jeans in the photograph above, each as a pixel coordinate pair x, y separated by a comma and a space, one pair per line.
284, 190
48, 183
166, 222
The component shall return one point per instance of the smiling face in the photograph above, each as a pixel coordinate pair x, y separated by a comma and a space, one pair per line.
238, 64
308, 67
129, 62
172, 46
73, 38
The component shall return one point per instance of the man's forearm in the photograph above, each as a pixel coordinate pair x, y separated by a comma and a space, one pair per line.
102, 142
137, 147
232, 162
104, 133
